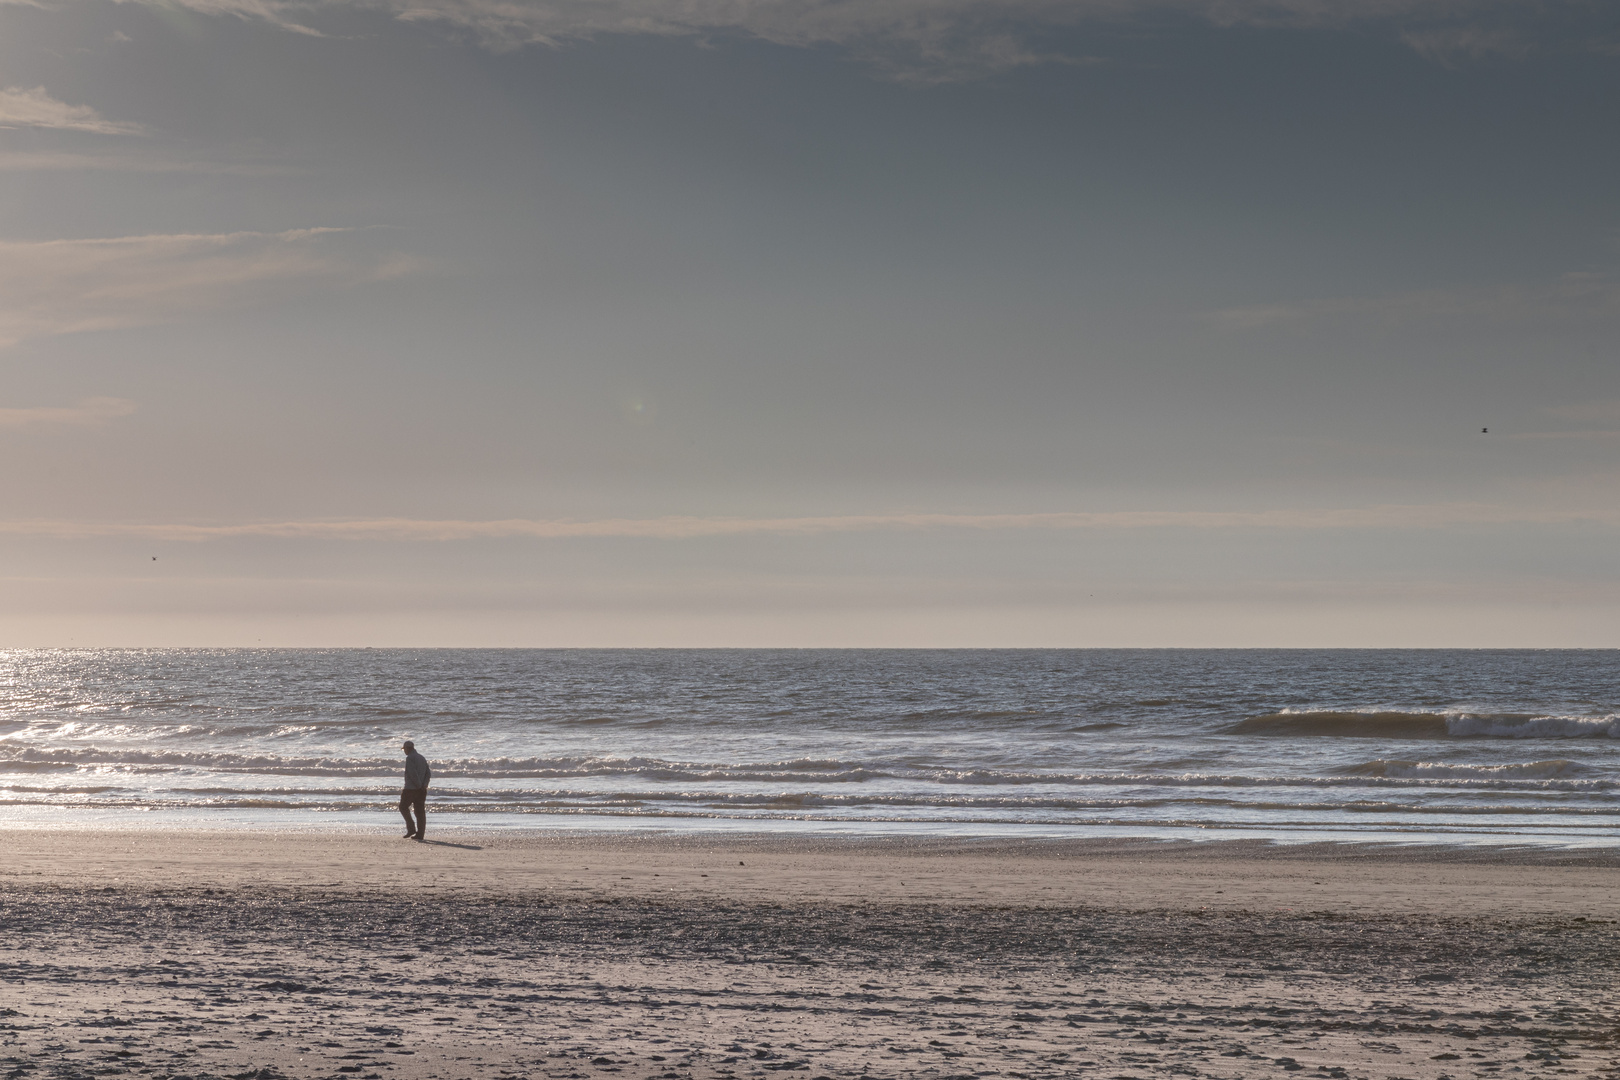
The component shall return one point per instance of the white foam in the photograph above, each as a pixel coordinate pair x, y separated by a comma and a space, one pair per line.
1534, 727
1551, 769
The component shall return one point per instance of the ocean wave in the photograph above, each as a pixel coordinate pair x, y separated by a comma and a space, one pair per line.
809, 800
1534, 727
15, 758
1551, 769
1351, 817
1427, 725
920, 787
200, 771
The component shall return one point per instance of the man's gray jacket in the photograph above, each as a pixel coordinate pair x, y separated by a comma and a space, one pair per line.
417, 773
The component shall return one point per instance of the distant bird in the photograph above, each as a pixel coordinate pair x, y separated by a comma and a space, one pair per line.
1484, 431
154, 558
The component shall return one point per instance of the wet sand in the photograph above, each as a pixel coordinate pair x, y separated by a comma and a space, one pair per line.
328, 954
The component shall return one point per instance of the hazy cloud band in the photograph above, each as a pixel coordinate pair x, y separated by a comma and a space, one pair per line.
923, 38
689, 528
88, 412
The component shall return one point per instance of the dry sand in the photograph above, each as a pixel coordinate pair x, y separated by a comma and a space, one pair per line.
328, 954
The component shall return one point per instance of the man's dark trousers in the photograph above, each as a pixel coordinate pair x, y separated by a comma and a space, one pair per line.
414, 798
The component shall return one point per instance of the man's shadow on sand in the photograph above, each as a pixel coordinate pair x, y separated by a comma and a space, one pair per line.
446, 843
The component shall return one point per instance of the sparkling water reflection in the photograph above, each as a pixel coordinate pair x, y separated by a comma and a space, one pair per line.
1519, 745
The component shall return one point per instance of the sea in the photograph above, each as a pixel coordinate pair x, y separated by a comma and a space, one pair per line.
1459, 747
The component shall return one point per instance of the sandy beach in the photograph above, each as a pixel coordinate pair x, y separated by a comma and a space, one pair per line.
325, 953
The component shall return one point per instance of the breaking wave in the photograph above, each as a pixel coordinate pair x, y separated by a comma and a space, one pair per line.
1552, 769
206, 774
1424, 725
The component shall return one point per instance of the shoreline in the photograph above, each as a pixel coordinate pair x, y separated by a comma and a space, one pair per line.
1124, 873
1592, 839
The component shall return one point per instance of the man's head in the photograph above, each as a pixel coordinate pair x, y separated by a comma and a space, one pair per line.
410, 747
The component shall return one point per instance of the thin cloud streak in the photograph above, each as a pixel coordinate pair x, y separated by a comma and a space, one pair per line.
86, 413
692, 528
1451, 45
1572, 297
35, 108
70, 286
47, 161
1588, 411
1580, 434
275, 12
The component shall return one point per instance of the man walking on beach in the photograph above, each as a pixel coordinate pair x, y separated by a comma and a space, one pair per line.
417, 775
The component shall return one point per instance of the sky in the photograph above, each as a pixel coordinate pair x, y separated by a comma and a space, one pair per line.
979, 323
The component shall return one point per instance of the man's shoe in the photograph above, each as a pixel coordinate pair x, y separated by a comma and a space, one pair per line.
410, 836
